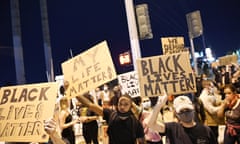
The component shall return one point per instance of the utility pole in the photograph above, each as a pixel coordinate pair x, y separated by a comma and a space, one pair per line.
46, 41
133, 33
17, 42
193, 54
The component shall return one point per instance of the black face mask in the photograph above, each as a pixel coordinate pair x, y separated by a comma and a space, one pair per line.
126, 114
186, 116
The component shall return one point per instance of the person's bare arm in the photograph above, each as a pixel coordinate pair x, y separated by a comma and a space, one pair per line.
93, 107
50, 128
62, 118
208, 104
152, 121
221, 111
87, 119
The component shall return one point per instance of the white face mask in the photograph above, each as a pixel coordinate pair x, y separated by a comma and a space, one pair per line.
146, 104
105, 88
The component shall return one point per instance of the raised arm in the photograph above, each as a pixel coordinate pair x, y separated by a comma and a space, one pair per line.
221, 111
152, 122
93, 107
50, 128
62, 118
208, 104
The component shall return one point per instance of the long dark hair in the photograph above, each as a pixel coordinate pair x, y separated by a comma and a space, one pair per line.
125, 95
231, 87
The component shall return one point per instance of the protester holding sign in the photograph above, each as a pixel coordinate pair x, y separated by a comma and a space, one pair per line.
151, 136
186, 131
123, 127
50, 126
23, 108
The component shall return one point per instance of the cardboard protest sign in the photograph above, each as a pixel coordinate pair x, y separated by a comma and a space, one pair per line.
23, 109
129, 83
228, 59
172, 73
215, 64
172, 45
89, 70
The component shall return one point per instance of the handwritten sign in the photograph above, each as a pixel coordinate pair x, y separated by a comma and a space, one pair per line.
228, 59
172, 73
89, 70
172, 45
129, 83
23, 109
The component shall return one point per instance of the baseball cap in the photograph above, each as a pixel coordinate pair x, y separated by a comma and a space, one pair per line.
181, 103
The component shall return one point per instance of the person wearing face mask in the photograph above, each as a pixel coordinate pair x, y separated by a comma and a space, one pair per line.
151, 136
231, 111
212, 104
186, 130
106, 96
123, 126
116, 93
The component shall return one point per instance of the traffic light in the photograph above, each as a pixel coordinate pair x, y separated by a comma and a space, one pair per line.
194, 22
144, 26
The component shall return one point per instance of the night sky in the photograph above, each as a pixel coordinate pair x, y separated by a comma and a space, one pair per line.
78, 25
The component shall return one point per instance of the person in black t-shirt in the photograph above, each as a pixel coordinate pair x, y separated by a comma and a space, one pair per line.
186, 130
123, 126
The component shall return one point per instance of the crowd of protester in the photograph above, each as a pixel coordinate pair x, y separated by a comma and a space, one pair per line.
194, 118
